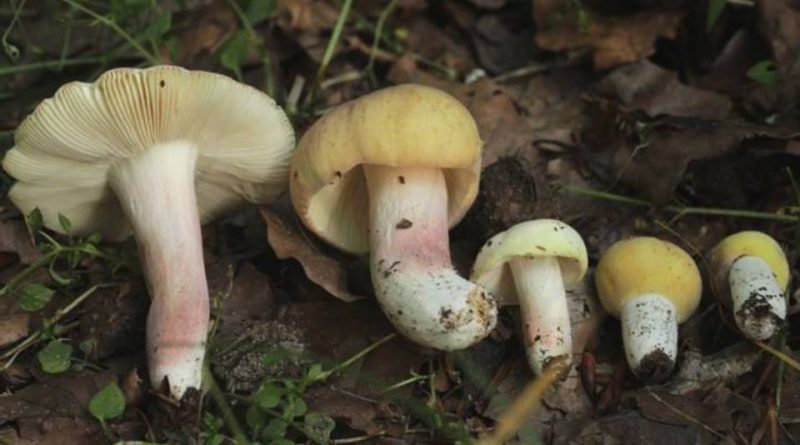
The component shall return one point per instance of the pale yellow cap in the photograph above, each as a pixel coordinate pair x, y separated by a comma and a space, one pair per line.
401, 126
643, 265
64, 151
748, 243
542, 237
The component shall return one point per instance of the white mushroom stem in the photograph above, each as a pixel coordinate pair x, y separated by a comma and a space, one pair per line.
156, 191
758, 304
543, 305
650, 335
414, 280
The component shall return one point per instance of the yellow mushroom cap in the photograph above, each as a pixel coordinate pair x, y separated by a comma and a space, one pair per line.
401, 126
541, 237
644, 265
748, 243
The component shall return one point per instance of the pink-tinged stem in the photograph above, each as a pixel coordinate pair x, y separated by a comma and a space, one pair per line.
414, 280
156, 192
543, 307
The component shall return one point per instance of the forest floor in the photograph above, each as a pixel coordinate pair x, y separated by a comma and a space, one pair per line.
669, 118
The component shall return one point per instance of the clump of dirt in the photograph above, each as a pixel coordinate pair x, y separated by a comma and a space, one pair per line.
272, 348
115, 320
176, 422
508, 195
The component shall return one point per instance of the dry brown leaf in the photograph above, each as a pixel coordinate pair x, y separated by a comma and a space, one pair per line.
652, 157
251, 298
288, 241
13, 327
14, 238
682, 410
211, 26
306, 21
627, 427
780, 23
612, 40
646, 86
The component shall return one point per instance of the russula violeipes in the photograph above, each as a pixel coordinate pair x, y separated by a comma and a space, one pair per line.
530, 264
751, 274
154, 152
651, 286
390, 173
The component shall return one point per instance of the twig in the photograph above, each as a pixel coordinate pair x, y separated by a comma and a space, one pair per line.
686, 416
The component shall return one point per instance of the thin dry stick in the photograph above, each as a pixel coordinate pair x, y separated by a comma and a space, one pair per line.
780, 355
686, 416
527, 402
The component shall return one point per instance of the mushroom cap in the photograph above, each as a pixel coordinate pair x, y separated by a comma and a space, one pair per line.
747, 243
643, 265
65, 150
402, 126
538, 238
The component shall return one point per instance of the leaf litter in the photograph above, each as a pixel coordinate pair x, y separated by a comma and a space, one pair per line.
659, 112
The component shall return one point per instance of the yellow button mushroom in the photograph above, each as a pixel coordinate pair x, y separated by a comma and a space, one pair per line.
751, 273
530, 264
390, 173
154, 153
651, 286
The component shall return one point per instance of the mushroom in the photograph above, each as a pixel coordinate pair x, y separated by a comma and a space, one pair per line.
531, 263
155, 152
750, 274
390, 173
652, 286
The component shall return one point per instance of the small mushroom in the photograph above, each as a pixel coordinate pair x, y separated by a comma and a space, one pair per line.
531, 263
390, 173
750, 274
154, 152
652, 286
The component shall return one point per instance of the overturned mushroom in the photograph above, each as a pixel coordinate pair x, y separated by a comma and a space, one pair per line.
390, 173
154, 152
652, 286
531, 263
751, 274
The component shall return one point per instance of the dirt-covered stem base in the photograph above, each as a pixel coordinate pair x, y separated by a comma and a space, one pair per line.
414, 280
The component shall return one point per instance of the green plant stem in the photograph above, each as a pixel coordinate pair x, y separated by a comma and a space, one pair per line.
326, 374
39, 262
55, 64
266, 60
12, 50
330, 49
385, 14
46, 325
227, 415
151, 58
296, 425
681, 211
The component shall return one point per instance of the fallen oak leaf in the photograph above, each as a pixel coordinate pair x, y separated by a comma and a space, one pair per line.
646, 86
288, 242
612, 40
653, 155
